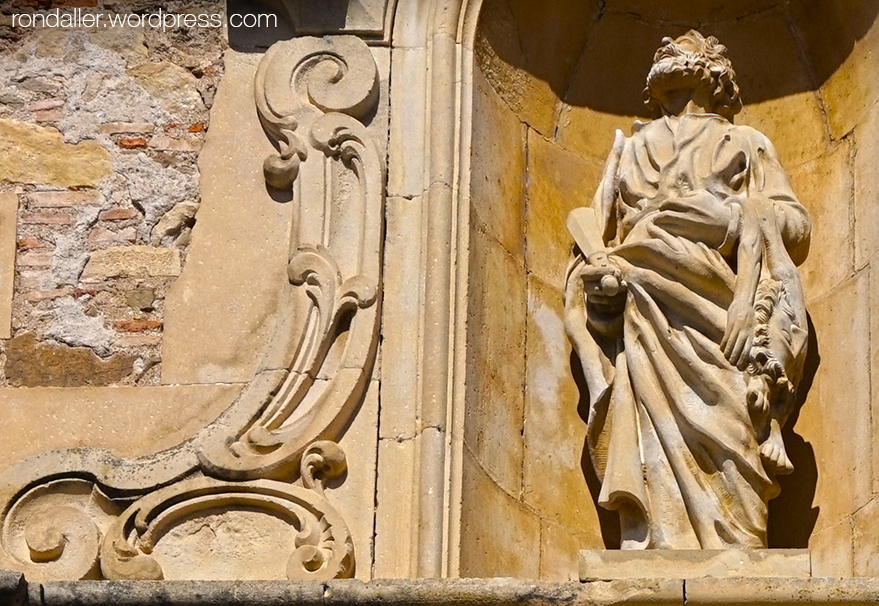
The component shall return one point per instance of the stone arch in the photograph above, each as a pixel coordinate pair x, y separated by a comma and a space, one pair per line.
819, 125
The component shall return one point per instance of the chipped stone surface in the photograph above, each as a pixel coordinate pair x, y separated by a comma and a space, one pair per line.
135, 261
172, 85
33, 364
39, 155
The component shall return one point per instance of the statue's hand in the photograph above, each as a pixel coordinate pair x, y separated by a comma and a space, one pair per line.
603, 284
739, 334
699, 217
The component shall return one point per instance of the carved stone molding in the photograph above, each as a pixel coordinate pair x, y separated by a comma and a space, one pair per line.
86, 513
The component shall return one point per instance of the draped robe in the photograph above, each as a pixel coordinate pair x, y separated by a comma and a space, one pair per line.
669, 428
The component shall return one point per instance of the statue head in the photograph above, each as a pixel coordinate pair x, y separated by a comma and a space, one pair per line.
697, 67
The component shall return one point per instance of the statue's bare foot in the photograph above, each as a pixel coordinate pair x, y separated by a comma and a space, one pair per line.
773, 453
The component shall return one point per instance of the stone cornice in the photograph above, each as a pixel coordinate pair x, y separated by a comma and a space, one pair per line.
16, 591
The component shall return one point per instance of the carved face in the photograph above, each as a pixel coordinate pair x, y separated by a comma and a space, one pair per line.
693, 67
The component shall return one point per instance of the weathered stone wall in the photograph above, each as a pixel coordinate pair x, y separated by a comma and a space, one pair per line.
553, 80
100, 129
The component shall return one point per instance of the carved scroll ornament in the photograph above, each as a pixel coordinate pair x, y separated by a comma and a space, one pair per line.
88, 514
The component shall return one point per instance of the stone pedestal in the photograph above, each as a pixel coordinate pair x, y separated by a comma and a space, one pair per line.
605, 564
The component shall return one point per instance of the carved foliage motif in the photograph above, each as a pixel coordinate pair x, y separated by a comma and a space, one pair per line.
87, 514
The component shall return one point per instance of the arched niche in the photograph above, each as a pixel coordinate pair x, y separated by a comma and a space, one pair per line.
550, 83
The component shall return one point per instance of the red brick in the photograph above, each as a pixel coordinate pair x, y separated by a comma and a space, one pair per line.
118, 214
55, 199
74, 3
48, 115
46, 218
45, 104
133, 143
29, 242
34, 259
43, 295
119, 128
138, 340
79, 293
137, 325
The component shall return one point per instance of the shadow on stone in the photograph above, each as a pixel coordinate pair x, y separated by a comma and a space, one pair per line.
608, 520
791, 515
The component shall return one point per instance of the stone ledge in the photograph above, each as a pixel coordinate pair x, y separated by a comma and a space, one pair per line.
15, 591
422, 592
609, 564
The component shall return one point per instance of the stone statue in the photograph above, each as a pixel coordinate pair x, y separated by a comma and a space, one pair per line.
685, 308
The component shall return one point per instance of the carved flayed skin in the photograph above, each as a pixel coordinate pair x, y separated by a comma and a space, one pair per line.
692, 365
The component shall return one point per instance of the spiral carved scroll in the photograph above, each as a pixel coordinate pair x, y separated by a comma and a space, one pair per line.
310, 93
322, 549
300, 75
85, 513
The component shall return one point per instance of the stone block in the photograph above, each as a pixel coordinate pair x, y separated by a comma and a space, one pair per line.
8, 214
221, 313
141, 298
497, 182
605, 92
776, 85
407, 128
131, 421
841, 40
705, 592
831, 551
824, 187
865, 540
558, 181
528, 52
355, 498
174, 87
874, 366
835, 419
609, 564
133, 261
589, 133
401, 318
560, 551
866, 176
39, 155
555, 434
494, 413
33, 364
499, 537
13, 588
397, 498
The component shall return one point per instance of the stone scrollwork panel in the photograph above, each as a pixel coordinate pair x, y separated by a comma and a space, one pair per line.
87, 514
322, 549
309, 93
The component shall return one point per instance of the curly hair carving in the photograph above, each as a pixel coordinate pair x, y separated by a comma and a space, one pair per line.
693, 61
